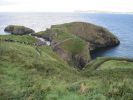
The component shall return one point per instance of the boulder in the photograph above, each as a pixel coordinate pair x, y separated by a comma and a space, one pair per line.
18, 30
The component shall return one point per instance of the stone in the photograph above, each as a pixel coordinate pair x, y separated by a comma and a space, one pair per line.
18, 30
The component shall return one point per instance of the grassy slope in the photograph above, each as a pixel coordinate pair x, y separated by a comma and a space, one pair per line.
70, 43
24, 38
113, 77
25, 71
29, 72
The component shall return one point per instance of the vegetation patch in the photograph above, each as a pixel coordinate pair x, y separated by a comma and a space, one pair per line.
29, 72
21, 39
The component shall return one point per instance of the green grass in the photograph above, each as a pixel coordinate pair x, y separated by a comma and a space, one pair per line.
26, 73
72, 45
80, 29
112, 77
41, 33
62, 35
24, 38
37, 73
117, 65
94, 64
70, 42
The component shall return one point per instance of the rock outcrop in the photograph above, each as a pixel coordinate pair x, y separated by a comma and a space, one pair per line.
74, 41
97, 36
18, 30
47, 35
74, 51
71, 48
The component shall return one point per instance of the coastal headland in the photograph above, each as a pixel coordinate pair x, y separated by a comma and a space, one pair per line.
56, 64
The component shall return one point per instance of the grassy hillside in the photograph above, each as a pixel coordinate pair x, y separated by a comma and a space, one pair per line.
73, 47
13, 38
112, 77
27, 71
74, 41
30, 72
96, 35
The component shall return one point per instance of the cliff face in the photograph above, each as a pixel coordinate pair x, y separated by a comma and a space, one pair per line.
83, 37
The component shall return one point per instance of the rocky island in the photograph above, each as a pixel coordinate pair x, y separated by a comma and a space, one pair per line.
74, 41
56, 64
18, 30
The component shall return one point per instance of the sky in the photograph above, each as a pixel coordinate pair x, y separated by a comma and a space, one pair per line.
65, 5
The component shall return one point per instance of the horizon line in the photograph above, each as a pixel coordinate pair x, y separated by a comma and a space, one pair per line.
75, 11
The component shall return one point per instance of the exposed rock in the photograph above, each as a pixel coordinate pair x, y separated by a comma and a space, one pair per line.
78, 60
44, 36
63, 54
48, 34
74, 51
41, 41
18, 30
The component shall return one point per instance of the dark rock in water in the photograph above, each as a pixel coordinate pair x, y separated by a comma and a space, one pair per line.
18, 30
